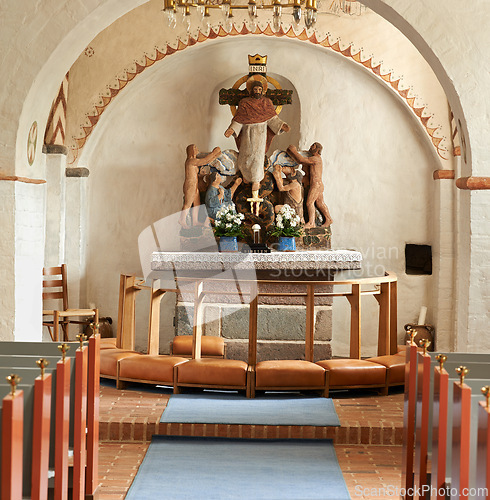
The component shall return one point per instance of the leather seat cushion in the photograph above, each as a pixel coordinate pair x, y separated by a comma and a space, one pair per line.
288, 373
352, 372
108, 343
210, 371
109, 359
158, 368
210, 346
395, 365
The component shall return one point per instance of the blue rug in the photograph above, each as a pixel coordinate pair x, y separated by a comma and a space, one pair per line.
210, 408
219, 468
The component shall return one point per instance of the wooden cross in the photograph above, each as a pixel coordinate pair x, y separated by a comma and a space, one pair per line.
231, 97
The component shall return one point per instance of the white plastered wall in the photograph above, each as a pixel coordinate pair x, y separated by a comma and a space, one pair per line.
373, 150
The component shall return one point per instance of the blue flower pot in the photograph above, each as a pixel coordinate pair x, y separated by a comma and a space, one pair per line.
228, 244
286, 244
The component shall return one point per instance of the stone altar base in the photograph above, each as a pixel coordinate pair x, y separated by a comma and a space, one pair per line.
281, 329
281, 319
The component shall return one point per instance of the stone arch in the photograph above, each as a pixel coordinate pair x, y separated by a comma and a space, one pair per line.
347, 51
402, 17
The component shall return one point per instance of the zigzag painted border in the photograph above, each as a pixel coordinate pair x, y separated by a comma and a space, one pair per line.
394, 84
56, 126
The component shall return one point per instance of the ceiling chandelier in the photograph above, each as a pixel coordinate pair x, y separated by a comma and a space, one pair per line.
299, 9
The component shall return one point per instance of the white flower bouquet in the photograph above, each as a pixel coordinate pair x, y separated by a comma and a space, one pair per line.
287, 223
228, 222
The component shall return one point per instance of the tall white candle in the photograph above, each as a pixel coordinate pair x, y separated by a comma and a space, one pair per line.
423, 313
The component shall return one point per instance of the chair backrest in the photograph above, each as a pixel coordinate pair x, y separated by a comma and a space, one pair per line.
54, 284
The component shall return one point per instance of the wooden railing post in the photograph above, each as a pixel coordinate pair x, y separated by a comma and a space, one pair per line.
252, 325
62, 420
80, 423
439, 430
40, 437
355, 321
410, 401
384, 323
460, 468
12, 441
154, 321
422, 420
197, 328
483, 448
310, 322
393, 317
93, 396
126, 314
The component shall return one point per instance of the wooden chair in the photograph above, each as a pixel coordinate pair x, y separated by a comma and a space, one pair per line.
55, 288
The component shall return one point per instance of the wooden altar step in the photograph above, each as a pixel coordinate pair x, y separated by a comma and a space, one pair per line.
133, 415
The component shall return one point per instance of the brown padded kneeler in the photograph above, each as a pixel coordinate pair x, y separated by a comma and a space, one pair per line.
395, 366
146, 367
288, 373
211, 371
353, 372
109, 359
210, 346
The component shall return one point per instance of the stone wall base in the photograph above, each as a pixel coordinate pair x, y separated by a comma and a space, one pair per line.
281, 329
271, 349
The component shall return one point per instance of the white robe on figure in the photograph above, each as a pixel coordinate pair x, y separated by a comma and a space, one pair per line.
253, 144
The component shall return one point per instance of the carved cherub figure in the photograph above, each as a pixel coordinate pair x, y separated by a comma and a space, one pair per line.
314, 165
191, 192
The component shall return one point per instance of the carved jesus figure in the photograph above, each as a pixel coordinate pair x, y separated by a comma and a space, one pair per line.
254, 125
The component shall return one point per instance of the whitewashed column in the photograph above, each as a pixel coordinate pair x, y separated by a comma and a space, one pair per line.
55, 205
76, 236
443, 259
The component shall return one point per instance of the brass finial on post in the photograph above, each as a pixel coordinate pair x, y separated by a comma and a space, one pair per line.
441, 358
64, 348
462, 371
412, 334
13, 380
42, 363
486, 392
94, 327
425, 343
81, 338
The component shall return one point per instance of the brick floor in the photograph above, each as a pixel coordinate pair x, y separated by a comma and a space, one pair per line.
367, 443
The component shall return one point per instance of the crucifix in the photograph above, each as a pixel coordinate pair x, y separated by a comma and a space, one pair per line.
255, 121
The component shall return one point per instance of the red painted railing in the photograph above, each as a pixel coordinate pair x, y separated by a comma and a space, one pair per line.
428, 406
82, 401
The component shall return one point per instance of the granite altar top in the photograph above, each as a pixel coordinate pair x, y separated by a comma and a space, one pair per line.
308, 259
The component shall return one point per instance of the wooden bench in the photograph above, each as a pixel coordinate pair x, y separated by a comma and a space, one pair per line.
63, 408
446, 428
